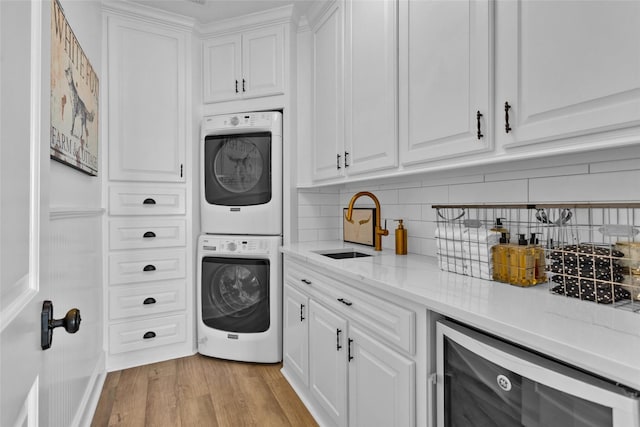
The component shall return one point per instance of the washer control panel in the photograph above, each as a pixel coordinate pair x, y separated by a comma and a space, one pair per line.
238, 246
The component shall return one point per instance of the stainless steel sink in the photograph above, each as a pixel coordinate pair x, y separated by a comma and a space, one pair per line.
344, 254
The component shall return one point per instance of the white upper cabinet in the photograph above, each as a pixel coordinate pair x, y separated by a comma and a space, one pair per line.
371, 85
328, 116
244, 65
444, 79
566, 69
147, 83
354, 88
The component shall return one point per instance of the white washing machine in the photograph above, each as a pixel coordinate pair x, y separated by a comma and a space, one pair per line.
240, 298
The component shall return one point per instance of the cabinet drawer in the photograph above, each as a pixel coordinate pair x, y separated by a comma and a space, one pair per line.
139, 200
142, 300
130, 336
388, 321
146, 266
146, 233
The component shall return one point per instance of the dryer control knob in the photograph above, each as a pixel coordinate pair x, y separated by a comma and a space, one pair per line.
231, 246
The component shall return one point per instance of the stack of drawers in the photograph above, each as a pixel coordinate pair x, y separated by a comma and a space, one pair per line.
147, 293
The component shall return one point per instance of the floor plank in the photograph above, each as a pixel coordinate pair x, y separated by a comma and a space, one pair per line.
200, 391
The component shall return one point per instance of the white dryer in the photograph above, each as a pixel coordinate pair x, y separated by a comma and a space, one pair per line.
241, 174
239, 298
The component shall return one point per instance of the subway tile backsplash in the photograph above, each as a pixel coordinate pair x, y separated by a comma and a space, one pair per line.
610, 176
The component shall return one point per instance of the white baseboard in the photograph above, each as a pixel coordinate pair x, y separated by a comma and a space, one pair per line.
89, 403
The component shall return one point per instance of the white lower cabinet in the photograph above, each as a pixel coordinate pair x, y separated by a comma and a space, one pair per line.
345, 367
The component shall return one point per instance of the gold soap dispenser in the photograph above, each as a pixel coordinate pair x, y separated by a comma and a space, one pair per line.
401, 238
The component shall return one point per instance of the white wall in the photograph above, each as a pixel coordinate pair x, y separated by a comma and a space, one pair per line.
611, 176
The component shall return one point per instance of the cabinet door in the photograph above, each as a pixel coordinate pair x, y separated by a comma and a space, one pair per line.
567, 69
370, 85
263, 62
444, 79
222, 72
381, 384
328, 121
147, 101
296, 334
328, 365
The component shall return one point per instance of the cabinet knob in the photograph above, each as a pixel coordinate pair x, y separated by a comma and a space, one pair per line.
149, 267
149, 201
305, 281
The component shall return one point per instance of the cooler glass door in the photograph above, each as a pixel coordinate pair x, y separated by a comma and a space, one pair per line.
484, 381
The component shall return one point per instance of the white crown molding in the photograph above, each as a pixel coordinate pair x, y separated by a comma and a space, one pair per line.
278, 15
149, 14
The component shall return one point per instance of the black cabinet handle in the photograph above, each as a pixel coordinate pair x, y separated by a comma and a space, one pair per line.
507, 107
302, 312
149, 300
149, 201
243, 88
149, 234
350, 357
149, 335
338, 161
236, 86
346, 159
149, 267
345, 302
338, 346
478, 117
305, 281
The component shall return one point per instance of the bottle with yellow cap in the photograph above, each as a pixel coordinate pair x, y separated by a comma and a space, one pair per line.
401, 238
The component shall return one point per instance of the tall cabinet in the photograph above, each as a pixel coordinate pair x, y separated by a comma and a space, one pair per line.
150, 278
354, 83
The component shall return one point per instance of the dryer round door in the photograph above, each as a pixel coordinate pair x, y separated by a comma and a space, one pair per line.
235, 294
237, 169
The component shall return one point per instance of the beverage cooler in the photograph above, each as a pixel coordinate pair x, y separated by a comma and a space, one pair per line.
483, 381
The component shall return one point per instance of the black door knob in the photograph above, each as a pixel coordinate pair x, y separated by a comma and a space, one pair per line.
70, 322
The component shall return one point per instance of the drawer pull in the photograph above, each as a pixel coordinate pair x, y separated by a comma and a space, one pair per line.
149, 234
149, 268
507, 107
305, 281
149, 300
345, 302
350, 357
149, 201
338, 346
302, 312
149, 335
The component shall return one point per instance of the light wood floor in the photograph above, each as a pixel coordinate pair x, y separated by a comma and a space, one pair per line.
200, 391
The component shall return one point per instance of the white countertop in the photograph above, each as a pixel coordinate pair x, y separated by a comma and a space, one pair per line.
595, 337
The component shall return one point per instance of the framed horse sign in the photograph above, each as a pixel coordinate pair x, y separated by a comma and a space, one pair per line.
75, 98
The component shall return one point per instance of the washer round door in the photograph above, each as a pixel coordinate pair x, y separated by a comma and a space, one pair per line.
235, 294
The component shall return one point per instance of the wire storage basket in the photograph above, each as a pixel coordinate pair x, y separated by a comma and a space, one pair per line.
586, 251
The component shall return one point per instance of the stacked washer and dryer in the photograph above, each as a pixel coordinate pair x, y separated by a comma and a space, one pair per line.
239, 266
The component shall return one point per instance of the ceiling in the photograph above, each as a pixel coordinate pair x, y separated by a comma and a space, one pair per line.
206, 11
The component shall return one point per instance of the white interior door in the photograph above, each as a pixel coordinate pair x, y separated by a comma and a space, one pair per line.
21, 225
